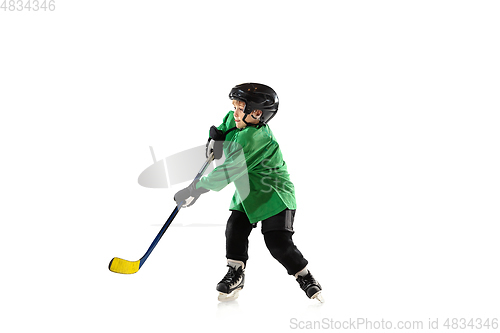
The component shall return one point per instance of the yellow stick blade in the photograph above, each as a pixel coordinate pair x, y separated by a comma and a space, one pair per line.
123, 266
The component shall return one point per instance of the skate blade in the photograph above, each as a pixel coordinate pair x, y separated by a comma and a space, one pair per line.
229, 297
319, 297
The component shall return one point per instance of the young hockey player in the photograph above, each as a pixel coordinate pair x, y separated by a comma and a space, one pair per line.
263, 193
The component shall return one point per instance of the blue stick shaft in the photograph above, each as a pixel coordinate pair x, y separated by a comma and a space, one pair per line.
174, 214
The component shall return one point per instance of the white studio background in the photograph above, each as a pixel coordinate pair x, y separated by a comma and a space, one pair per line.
388, 121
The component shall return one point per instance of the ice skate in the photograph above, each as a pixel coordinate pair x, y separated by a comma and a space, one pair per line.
310, 286
230, 286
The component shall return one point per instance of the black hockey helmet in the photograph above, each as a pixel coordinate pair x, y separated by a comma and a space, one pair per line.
257, 97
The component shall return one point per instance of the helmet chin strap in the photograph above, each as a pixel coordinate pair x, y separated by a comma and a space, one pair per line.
245, 117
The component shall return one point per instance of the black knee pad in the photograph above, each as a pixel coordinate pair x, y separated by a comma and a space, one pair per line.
238, 225
278, 242
238, 229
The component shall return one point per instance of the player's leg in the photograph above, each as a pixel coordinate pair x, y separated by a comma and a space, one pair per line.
238, 229
278, 232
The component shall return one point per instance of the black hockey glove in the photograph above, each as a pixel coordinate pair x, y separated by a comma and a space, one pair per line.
189, 195
214, 143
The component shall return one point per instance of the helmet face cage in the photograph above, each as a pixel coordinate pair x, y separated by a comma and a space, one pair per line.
257, 96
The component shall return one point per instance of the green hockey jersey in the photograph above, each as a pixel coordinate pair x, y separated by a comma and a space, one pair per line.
255, 164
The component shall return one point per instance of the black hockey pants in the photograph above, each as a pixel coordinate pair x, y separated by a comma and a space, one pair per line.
277, 231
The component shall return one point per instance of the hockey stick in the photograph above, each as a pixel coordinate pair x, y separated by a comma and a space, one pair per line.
123, 266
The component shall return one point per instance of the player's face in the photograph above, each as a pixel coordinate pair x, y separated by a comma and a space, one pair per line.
239, 107
239, 114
